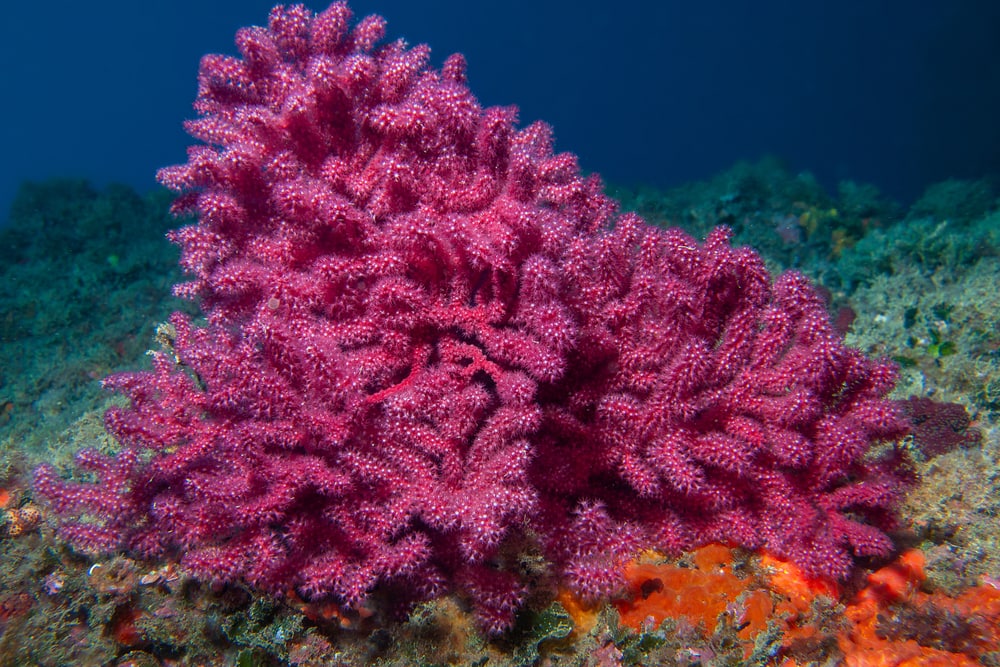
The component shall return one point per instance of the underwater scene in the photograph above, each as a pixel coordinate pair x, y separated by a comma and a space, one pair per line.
381, 374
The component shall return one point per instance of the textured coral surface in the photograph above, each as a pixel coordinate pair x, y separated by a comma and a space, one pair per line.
430, 337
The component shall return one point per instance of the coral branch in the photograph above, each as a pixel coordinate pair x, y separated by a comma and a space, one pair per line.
428, 335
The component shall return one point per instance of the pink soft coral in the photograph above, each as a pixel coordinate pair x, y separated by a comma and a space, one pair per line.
428, 336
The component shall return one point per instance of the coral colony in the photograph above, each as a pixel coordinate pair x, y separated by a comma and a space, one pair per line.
430, 338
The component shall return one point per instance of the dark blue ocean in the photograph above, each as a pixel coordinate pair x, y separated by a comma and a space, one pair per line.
895, 93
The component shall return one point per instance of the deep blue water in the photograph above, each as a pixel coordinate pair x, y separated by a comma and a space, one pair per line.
892, 92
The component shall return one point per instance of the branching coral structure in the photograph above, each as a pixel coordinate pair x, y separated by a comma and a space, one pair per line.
429, 336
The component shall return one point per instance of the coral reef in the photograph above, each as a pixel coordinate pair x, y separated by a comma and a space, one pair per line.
428, 337
88, 275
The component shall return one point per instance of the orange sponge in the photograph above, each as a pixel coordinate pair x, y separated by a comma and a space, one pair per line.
699, 594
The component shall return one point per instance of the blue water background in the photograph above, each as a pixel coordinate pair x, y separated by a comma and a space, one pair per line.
896, 93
